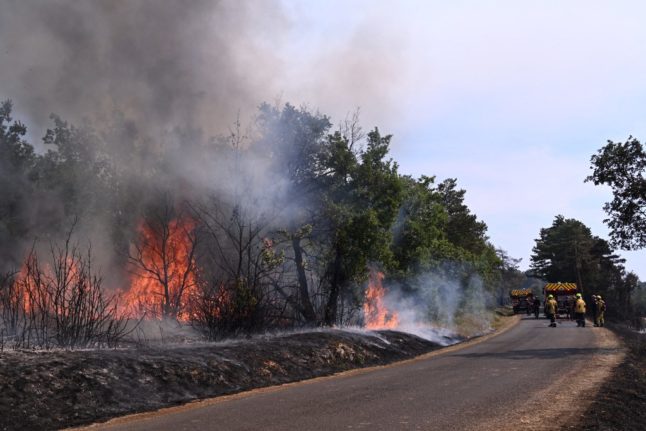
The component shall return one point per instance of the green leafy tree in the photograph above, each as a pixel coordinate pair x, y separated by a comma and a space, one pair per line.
463, 228
621, 166
568, 252
362, 195
420, 238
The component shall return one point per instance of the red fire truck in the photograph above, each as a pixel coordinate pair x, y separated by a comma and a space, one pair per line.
521, 300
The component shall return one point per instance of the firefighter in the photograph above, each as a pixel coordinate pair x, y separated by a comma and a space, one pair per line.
537, 306
579, 311
600, 311
551, 307
594, 310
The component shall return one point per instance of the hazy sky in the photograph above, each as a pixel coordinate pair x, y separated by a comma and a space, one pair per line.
510, 97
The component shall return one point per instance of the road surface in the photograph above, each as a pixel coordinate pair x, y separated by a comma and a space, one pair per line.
508, 381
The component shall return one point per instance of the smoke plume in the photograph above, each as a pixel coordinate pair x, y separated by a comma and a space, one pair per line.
189, 63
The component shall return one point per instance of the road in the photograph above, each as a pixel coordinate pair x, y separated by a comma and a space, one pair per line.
503, 380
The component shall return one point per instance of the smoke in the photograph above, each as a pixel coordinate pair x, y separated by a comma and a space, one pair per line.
147, 84
443, 304
182, 63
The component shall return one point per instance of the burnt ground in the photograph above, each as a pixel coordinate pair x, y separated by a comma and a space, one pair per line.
621, 400
51, 390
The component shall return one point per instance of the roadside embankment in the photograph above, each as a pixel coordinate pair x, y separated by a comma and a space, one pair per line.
55, 389
58, 389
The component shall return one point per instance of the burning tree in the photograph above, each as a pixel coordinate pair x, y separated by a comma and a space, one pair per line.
163, 264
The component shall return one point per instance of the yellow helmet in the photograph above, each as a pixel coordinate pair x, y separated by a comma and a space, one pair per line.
578, 295
550, 296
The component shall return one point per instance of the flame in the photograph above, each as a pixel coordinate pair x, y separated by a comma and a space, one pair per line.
375, 313
163, 281
38, 284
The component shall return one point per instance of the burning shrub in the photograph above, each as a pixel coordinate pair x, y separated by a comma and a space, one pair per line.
59, 304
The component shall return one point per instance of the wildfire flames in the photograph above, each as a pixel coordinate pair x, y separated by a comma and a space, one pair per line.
163, 279
41, 288
375, 313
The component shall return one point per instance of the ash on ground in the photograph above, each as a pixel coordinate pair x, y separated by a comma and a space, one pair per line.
57, 389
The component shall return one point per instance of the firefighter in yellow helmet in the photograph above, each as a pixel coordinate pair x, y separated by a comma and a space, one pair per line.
551, 308
601, 309
579, 311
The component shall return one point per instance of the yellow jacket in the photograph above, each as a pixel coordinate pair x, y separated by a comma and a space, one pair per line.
551, 306
579, 306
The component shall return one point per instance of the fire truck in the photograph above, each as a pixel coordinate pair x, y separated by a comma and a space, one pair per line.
564, 293
521, 300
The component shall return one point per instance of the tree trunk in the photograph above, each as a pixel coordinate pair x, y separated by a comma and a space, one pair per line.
335, 287
306, 305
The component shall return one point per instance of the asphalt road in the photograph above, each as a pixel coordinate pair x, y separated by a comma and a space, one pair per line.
457, 390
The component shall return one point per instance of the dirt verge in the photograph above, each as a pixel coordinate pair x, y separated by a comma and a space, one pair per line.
619, 402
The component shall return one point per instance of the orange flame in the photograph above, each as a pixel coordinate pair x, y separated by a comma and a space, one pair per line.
375, 313
163, 281
37, 285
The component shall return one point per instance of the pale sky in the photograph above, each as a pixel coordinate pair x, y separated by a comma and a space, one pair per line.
510, 97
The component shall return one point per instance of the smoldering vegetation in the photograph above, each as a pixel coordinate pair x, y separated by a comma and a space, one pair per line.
148, 199
444, 304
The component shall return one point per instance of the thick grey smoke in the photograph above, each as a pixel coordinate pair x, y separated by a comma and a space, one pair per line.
154, 79
163, 64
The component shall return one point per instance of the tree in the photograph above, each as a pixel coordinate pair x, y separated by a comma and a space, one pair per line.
296, 138
568, 252
463, 228
17, 160
164, 261
511, 277
621, 166
361, 201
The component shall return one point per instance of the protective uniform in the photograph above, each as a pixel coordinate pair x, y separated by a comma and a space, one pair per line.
601, 309
551, 308
579, 311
